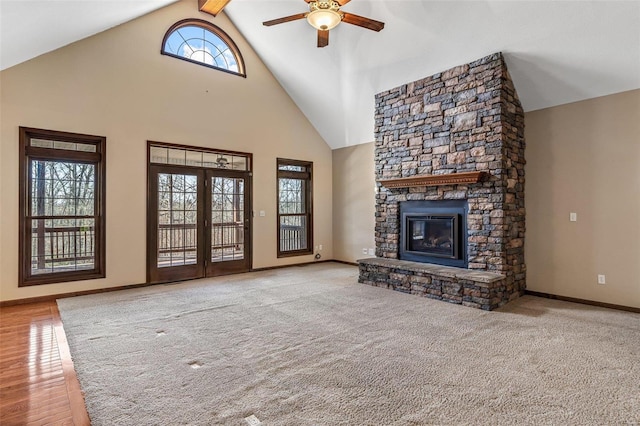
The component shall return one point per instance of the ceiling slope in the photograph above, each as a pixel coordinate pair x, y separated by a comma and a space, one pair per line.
30, 28
557, 52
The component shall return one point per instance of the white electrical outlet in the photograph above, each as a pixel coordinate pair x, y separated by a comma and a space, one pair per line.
601, 279
372, 252
573, 217
262, 213
364, 251
320, 247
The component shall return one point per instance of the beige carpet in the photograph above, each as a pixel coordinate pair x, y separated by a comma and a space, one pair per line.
310, 346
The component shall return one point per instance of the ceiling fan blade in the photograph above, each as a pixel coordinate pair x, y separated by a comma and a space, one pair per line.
212, 7
285, 19
343, 2
323, 38
363, 22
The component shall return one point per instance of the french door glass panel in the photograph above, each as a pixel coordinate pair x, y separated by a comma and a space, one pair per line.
177, 220
227, 219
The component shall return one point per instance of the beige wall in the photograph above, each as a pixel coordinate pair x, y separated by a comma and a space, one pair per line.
353, 201
585, 158
116, 84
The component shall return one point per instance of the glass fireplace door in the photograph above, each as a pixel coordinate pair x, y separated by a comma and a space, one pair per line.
433, 235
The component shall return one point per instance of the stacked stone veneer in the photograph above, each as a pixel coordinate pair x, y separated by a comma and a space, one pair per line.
464, 119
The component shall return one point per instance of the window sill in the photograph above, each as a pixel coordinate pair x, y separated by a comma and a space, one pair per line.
60, 278
295, 253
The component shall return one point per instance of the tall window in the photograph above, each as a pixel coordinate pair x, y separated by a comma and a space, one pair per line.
62, 192
295, 219
203, 43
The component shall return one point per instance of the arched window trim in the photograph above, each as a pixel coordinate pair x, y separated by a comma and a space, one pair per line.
215, 30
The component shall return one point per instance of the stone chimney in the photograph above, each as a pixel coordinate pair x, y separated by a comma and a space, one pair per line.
466, 119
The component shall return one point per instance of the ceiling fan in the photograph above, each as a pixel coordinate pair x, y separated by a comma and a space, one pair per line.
323, 15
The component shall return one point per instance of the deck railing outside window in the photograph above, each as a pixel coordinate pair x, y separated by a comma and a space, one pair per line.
57, 249
293, 237
177, 243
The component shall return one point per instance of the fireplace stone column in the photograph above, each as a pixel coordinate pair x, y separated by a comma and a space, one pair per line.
466, 119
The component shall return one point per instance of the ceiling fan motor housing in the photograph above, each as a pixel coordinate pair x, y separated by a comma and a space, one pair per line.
324, 5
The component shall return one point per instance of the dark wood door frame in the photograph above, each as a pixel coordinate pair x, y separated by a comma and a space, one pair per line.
174, 273
204, 267
230, 267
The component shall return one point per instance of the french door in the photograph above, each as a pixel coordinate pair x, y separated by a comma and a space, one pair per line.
199, 222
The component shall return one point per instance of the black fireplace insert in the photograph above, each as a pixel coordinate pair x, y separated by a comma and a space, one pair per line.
434, 232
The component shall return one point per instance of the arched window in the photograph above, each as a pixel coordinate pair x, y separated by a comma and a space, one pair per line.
203, 43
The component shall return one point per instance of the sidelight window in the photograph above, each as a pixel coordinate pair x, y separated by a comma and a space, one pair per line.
295, 219
62, 189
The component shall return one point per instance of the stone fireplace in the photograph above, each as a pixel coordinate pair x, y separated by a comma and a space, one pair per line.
449, 161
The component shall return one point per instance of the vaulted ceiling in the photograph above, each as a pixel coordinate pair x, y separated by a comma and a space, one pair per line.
557, 51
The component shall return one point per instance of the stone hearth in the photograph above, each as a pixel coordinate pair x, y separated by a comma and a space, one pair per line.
429, 135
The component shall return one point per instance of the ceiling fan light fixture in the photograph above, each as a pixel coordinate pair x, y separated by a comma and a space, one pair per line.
324, 19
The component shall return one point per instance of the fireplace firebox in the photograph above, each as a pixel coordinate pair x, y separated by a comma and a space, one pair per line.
434, 232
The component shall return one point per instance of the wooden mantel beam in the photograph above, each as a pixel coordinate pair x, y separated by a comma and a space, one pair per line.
434, 180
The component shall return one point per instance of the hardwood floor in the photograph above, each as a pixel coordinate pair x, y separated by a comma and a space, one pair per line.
38, 385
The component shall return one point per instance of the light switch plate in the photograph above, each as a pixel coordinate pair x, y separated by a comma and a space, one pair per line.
573, 217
